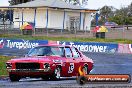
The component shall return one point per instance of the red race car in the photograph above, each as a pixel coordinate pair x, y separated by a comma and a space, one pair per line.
49, 62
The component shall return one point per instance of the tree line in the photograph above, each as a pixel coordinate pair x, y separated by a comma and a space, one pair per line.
121, 16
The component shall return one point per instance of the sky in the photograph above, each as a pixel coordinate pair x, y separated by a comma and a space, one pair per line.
93, 4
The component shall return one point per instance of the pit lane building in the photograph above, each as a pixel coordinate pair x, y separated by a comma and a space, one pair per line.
52, 14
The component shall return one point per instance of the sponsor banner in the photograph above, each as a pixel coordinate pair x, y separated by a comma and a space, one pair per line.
83, 78
130, 47
104, 78
20, 43
1, 43
92, 47
125, 48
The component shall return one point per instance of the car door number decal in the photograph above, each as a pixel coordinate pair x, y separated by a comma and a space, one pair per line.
71, 68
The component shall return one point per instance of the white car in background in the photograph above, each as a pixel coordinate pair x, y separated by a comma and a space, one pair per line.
111, 25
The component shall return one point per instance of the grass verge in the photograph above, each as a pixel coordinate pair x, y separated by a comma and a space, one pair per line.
78, 39
3, 60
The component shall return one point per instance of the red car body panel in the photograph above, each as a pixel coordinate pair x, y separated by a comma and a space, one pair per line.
54, 61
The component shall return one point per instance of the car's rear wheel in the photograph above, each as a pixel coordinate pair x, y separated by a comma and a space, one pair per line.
57, 74
14, 78
85, 69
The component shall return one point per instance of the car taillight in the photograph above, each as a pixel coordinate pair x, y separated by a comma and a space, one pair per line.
8, 65
46, 65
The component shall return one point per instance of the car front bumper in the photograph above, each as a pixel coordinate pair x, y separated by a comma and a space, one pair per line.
29, 70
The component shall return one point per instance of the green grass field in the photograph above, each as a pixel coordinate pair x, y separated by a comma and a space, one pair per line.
66, 39
3, 60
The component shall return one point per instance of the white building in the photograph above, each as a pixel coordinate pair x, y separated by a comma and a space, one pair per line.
53, 14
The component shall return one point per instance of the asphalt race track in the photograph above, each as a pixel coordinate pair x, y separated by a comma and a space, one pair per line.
103, 64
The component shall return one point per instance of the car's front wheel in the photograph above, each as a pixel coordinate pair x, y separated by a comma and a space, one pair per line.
57, 74
14, 78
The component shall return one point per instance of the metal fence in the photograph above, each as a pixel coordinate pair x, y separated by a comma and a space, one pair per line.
113, 33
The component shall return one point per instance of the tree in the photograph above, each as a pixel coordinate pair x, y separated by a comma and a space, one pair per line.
130, 10
106, 12
12, 2
121, 16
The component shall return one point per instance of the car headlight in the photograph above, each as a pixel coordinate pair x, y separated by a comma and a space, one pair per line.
46, 65
8, 65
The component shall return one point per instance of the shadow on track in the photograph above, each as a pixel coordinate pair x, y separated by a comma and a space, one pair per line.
39, 79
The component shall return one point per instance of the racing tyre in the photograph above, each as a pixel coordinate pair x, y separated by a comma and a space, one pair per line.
85, 68
56, 75
81, 80
14, 78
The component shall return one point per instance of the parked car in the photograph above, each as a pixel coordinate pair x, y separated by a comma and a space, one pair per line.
49, 62
111, 24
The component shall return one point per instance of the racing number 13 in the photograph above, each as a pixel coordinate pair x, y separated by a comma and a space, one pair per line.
71, 68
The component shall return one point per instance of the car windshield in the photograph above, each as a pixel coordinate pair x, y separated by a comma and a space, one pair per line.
46, 51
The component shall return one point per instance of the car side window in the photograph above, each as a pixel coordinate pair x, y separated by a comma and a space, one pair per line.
68, 52
75, 53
